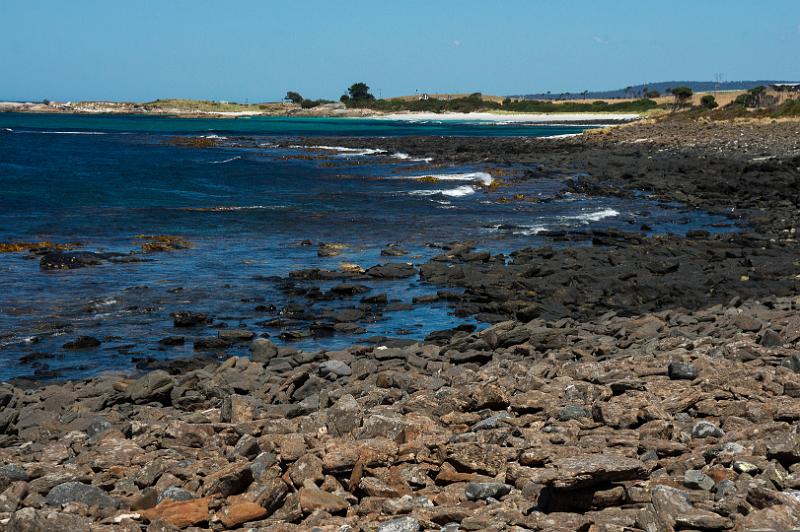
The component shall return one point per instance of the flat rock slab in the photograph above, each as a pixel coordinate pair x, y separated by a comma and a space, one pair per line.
588, 470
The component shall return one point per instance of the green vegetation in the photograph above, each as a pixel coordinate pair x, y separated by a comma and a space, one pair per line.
708, 101
359, 97
600, 106
683, 96
294, 97
198, 105
359, 92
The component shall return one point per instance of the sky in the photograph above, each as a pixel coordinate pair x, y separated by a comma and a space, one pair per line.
251, 50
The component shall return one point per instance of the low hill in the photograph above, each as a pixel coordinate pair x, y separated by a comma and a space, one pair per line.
662, 87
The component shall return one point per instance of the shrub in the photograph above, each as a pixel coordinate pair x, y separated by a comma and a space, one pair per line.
294, 97
682, 95
708, 101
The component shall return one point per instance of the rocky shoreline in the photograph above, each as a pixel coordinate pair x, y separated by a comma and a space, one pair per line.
635, 384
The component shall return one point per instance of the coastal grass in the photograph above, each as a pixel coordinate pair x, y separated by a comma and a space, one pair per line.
475, 103
203, 105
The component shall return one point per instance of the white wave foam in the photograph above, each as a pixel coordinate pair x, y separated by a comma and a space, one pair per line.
458, 192
482, 177
593, 216
344, 151
406, 157
212, 136
7, 129
522, 230
234, 158
564, 136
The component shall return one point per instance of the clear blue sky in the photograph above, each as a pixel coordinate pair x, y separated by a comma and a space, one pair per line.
257, 50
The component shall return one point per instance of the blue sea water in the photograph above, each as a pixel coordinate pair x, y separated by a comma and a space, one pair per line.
247, 205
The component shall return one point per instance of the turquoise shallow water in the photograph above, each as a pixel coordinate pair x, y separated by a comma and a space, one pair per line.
280, 126
247, 206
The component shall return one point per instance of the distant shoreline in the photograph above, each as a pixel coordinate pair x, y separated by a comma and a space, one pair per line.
113, 108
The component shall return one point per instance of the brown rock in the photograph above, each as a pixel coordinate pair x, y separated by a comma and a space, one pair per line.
180, 514
315, 499
588, 470
241, 512
229, 480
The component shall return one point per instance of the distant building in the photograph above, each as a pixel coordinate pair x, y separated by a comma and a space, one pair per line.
786, 87
424, 97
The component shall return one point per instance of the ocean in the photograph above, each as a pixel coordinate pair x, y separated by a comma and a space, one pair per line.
254, 198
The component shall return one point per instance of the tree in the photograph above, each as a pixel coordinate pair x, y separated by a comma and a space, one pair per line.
294, 97
360, 92
652, 94
682, 95
708, 101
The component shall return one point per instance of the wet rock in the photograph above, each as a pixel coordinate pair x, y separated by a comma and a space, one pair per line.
211, 343
330, 249
71, 260
348, 315
236, 335
79, 492
392, 270
189, 319
82, 342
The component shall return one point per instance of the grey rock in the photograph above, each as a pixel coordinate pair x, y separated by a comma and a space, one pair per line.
747, 323
490, 422
262, 350
792, 362
79, 492
96, 427
724, 488
478, 491
33, 520
681, 370
569, 412
705, 429
344, 416
174, 493
154, 386
695, 479
335, 367
771, 338
13, 472
401, 524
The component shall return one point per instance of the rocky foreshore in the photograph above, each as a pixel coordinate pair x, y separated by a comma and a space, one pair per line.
636, 384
